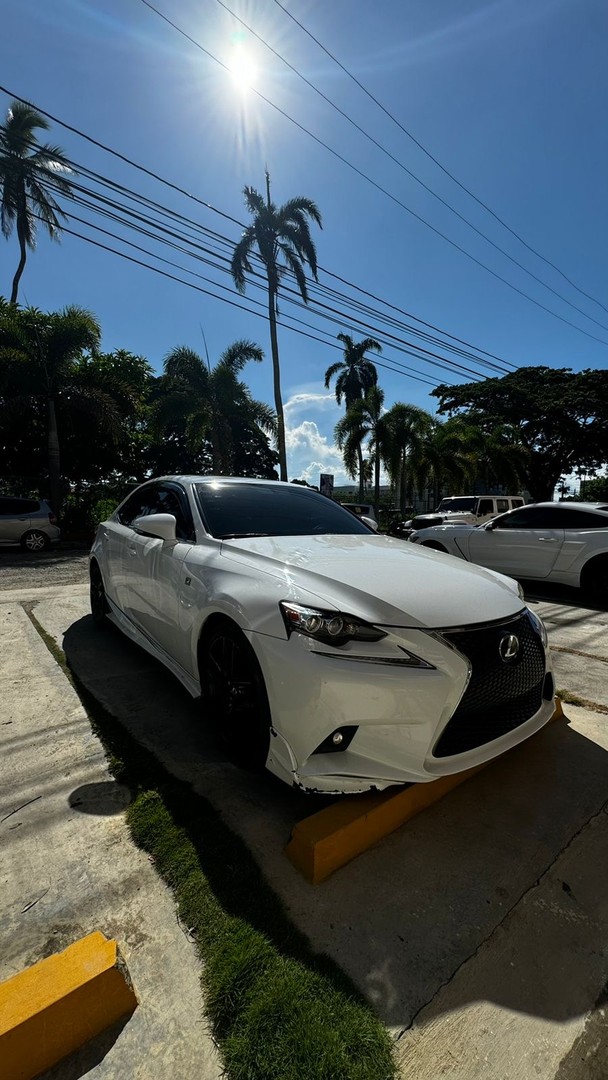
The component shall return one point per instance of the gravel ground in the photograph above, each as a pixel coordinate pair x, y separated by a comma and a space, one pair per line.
60, 566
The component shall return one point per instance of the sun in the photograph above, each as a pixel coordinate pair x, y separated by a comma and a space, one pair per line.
243, 68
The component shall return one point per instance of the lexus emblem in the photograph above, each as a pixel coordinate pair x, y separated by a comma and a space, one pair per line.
508, 648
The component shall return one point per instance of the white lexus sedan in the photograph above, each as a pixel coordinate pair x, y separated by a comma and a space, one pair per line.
561, 542
340, 659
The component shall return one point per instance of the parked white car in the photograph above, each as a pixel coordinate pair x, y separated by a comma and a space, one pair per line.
562, 542
341, 659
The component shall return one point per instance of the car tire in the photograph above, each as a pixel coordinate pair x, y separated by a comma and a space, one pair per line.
97, 593
434, 545
234, 694
595, 580
34, 540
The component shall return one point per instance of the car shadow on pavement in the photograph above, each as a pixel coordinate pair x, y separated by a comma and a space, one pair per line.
404, 918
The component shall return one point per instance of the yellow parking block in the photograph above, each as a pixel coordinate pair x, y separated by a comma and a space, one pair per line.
56, 1006
329, 839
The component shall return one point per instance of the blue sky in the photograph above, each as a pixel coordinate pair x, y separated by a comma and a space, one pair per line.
509, 96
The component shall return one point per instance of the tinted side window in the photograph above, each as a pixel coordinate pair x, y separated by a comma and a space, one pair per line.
172, 500
139, 504
532, 517
517, 502
10, 507
486, 506
502, 505
582, 519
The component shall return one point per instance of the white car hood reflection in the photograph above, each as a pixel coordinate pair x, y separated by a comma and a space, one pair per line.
383, 580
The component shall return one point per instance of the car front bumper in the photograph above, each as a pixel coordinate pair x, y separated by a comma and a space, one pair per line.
398, 713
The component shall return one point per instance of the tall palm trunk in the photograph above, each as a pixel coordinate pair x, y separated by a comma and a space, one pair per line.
21, 236
361, 476
276, 373
54, 458
377, 482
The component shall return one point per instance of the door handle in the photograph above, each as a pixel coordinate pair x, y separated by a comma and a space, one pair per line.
547, 540
132, 550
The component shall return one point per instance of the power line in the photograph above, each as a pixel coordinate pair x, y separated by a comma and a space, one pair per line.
207, 292
380, 188
201, 202
170, 213
410, 173
436, 162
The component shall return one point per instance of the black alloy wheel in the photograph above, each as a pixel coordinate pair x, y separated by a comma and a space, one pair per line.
595, 580
35, 540
99, 604
235, 695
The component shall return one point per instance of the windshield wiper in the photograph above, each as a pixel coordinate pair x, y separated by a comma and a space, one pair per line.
240, 535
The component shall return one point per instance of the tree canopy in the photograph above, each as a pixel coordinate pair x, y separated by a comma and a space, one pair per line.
558, 417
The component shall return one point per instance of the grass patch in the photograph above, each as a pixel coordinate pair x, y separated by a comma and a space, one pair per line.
278, 1009
574, 699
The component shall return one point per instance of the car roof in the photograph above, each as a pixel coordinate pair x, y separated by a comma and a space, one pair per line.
601, 506
192, 478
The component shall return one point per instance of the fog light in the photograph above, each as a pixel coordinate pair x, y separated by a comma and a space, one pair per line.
337, 738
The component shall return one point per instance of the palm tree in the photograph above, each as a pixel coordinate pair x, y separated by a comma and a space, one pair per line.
42, 353
406, 426
212, 404
356, 376
281, 236
28, 171
364, 420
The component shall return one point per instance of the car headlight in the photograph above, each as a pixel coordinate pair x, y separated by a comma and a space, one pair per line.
539, 626
414, 538
330, 627
520, 590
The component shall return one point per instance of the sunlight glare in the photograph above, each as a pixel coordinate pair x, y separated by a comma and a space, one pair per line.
242, 67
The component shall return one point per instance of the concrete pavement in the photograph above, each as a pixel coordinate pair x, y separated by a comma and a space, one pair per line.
68, 867
477, 931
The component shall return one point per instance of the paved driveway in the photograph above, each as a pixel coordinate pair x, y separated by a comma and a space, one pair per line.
477, 930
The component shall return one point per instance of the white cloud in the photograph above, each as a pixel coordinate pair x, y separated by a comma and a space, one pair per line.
310, 452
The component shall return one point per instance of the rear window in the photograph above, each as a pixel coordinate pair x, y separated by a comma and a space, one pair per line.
230, 511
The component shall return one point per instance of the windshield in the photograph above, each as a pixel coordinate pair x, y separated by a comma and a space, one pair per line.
231, 511
467, 502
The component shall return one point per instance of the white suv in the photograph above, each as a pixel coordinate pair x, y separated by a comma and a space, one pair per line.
466, 510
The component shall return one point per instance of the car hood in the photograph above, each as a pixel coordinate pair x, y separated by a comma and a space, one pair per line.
380, 579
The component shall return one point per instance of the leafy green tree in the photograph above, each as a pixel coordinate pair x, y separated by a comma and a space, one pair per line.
281, 237
212, 406
29, 172
363, 420
39, 355
355, 376
557, 417
595, 489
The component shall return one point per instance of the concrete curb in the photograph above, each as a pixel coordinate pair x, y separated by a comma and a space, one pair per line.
324, 842
57, 1005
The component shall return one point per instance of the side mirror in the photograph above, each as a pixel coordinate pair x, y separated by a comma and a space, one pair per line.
370, 522
161, 526
490, 525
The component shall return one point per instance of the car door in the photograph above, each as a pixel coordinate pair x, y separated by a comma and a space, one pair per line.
523, 543
15, 517
116, 535
154, 570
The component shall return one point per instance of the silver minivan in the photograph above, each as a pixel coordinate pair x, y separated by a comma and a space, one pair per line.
28, 522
